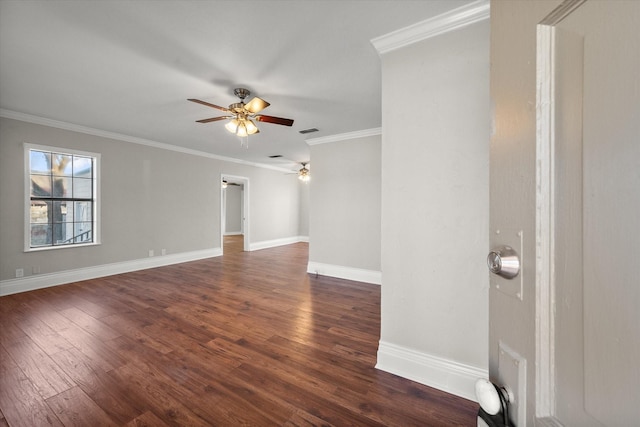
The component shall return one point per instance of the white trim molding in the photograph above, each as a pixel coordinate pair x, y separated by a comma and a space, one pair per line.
342, 272
441, 24
344, 136
126, 138
437, 372
545, 290
256, 246
39, 281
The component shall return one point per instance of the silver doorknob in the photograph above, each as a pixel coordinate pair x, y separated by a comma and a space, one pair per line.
504, 262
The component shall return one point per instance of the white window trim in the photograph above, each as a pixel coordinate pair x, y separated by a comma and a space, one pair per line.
27, 197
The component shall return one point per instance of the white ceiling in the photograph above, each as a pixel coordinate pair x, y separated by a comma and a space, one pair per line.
128, 67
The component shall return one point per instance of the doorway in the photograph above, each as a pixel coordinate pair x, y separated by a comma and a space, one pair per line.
234, 213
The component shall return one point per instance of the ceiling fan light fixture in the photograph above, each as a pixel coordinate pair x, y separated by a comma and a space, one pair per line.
242, 130
232, 125
251, 127
303, 174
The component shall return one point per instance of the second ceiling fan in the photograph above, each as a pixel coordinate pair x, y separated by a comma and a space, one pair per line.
241, 116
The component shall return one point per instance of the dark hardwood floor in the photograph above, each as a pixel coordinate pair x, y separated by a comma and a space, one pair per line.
244, 339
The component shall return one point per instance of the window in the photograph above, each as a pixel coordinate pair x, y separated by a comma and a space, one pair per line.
62, 198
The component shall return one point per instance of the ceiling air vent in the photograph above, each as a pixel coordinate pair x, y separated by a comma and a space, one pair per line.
310, 130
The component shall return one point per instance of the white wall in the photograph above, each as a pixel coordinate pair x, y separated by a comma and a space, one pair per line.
344, 224
435, 194
304, 209
152, 198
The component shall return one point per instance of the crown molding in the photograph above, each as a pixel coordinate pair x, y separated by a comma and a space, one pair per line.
9, 114
344, 136
449, 21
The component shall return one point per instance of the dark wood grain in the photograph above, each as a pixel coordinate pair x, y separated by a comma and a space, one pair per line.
248, 338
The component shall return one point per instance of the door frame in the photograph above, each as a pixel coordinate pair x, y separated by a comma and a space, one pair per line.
545, 212
245, 209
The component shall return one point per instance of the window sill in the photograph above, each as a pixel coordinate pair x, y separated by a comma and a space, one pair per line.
49, 248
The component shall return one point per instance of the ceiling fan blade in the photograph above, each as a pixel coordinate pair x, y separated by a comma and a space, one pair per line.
256, 105
213, 119
208, 104
276, 120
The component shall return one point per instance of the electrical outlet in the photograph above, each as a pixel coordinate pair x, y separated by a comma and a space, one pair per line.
151, 253
35, 269
19, 272
164, 252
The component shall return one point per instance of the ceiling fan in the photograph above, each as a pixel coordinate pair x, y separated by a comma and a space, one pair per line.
304, 174
241, 116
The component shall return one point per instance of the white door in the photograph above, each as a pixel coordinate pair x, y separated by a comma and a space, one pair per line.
589, 117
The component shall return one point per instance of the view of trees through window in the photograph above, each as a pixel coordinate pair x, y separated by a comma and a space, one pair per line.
62, 201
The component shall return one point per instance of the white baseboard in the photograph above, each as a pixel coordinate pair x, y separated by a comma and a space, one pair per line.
437, 372
256, 246
233, 233
348, 273
38, 281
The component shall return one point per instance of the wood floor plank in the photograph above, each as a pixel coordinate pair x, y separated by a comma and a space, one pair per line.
74, 408
315, 399
248, 338
107, 393
6, 361
148, 419
152, 393
3, 420
93, 347
45, 375
45, 337
179, 379
21, 403
90, 324
131, 326
10, 332
302, 418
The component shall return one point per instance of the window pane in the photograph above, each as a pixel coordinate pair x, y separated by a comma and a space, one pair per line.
62, 211
40, 186
82, 188
62, 165
61, 187
83, 211
62, 233
82, 167
40, 235
40, 162
83, 232
39, 212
